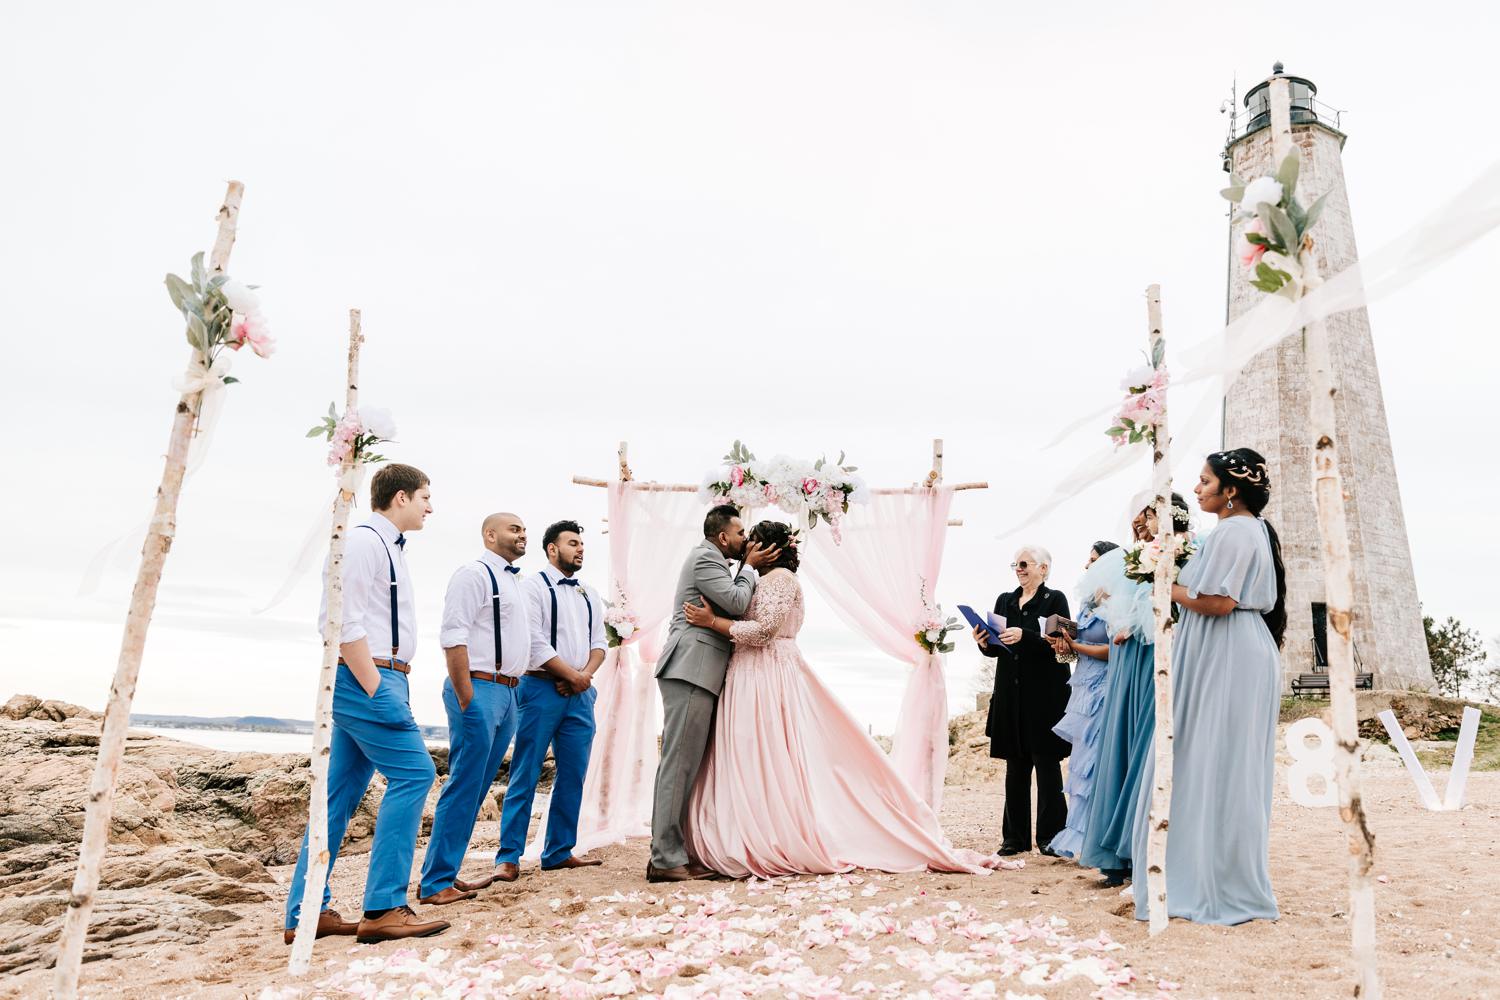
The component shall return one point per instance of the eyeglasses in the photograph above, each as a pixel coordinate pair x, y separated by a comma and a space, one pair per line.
1018, 565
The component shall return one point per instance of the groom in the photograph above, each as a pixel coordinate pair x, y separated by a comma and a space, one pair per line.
690, 674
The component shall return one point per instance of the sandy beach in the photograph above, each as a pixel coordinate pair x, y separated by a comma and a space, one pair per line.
1047, 930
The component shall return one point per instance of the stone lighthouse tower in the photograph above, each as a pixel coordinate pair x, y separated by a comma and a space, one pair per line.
1267, 409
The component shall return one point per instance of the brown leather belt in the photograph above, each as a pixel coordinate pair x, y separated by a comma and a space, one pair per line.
542, 674
497, 678
383, 664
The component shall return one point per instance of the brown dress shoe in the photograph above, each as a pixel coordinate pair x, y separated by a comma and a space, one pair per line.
452, 894
476, 885
572, 862
682, 873
394, 925
329, 923
505, 871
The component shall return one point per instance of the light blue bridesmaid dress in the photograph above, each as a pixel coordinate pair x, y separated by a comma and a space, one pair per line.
1226, 695
1080, 726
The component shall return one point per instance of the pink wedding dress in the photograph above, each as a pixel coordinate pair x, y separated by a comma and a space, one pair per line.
791, 783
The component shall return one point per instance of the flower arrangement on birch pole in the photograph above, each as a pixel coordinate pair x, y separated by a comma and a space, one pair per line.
811, 490
1278, 250
352, 440
218, 314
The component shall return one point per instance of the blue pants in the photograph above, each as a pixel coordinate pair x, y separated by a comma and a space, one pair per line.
478, 737
566, 724
370, 733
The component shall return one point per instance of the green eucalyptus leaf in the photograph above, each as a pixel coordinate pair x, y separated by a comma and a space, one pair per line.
333, 414
200, 276
1234, 194
1287, 173
318, 431
197, 333
217, 281
230, 380
1283, 228
1314, 212
1158, 353
1256, 239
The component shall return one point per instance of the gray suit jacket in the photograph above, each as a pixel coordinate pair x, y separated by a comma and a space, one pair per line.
700, 655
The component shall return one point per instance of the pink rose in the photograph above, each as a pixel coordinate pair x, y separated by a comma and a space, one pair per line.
737, 476
1251, 253
236, 338
770, 493
810, 486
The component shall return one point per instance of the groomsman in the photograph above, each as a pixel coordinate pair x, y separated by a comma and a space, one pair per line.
556, 702
486, 638
373, 729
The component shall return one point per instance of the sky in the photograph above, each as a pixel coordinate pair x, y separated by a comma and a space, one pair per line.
810, 227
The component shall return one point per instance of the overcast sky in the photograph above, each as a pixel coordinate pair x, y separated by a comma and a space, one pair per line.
812, 227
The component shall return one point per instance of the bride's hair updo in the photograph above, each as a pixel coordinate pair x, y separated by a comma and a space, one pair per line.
773, 534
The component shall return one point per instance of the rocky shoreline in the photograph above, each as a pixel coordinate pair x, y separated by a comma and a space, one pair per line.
193, 833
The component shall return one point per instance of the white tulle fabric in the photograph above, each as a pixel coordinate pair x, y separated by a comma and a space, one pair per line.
874, 581
650, 532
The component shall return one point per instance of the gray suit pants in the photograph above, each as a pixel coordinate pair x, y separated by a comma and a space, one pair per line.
688, 724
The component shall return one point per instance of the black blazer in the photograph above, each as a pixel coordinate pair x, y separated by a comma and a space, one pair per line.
1031, 687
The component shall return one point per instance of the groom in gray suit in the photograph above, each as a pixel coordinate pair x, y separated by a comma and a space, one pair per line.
690, 674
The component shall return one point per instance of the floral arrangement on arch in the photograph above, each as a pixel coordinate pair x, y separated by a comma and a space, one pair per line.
1144, 404
620, 623
932, 630
812, 490
1142, 558
353, 436
1275, 238
221, 313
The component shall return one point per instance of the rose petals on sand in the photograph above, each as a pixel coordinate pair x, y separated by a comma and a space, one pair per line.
747, 941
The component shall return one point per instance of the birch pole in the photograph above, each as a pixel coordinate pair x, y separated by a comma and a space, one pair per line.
1161, 604
159, 535
1338, 577
317, 802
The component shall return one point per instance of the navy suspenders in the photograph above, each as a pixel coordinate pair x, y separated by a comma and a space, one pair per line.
495, 604
395, 617
588, 640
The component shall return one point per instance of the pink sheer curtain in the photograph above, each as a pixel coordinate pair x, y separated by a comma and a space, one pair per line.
874, 581
650, 534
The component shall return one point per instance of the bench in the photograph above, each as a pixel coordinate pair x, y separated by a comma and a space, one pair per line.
1317, 683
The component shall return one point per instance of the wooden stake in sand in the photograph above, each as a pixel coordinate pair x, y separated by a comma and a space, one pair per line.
100, 808
317, 803
1161, 603
1338, 578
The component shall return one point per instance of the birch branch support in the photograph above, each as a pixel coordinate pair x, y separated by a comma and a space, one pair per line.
100, 808
317, 804
1161, 604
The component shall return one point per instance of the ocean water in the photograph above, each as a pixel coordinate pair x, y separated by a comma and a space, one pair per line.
241, 742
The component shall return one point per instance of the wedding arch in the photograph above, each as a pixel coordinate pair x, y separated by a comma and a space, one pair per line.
878, 579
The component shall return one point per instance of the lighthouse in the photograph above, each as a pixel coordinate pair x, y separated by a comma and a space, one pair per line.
1267, 409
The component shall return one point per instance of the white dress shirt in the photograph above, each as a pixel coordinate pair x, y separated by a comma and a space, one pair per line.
469, 616
368, 556
574, 639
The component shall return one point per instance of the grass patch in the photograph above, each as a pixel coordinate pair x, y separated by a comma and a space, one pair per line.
1486, 746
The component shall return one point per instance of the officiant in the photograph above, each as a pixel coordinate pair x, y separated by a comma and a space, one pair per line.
1031, 694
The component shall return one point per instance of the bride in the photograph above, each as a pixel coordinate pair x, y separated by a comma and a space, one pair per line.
791, 783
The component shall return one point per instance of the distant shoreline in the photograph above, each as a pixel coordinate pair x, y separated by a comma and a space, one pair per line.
251, 724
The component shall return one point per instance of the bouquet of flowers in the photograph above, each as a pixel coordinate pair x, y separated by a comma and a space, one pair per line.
620, 623
353, 437
1145, 402
932, 630
220, 312
1142, 558
1275, 235
813, 490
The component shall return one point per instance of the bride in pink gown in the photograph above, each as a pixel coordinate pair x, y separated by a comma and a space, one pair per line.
791, 783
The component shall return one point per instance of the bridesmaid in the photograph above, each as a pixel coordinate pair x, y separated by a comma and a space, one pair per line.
1129, 726
1226, 693
1081, 722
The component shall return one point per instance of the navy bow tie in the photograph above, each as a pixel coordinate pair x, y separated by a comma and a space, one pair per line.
511, 569
567, 583
401, 542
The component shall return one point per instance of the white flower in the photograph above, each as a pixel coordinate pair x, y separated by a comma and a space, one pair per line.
1262, 190
1137, 376
378, 422
240, 297
934, 635
624, 630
